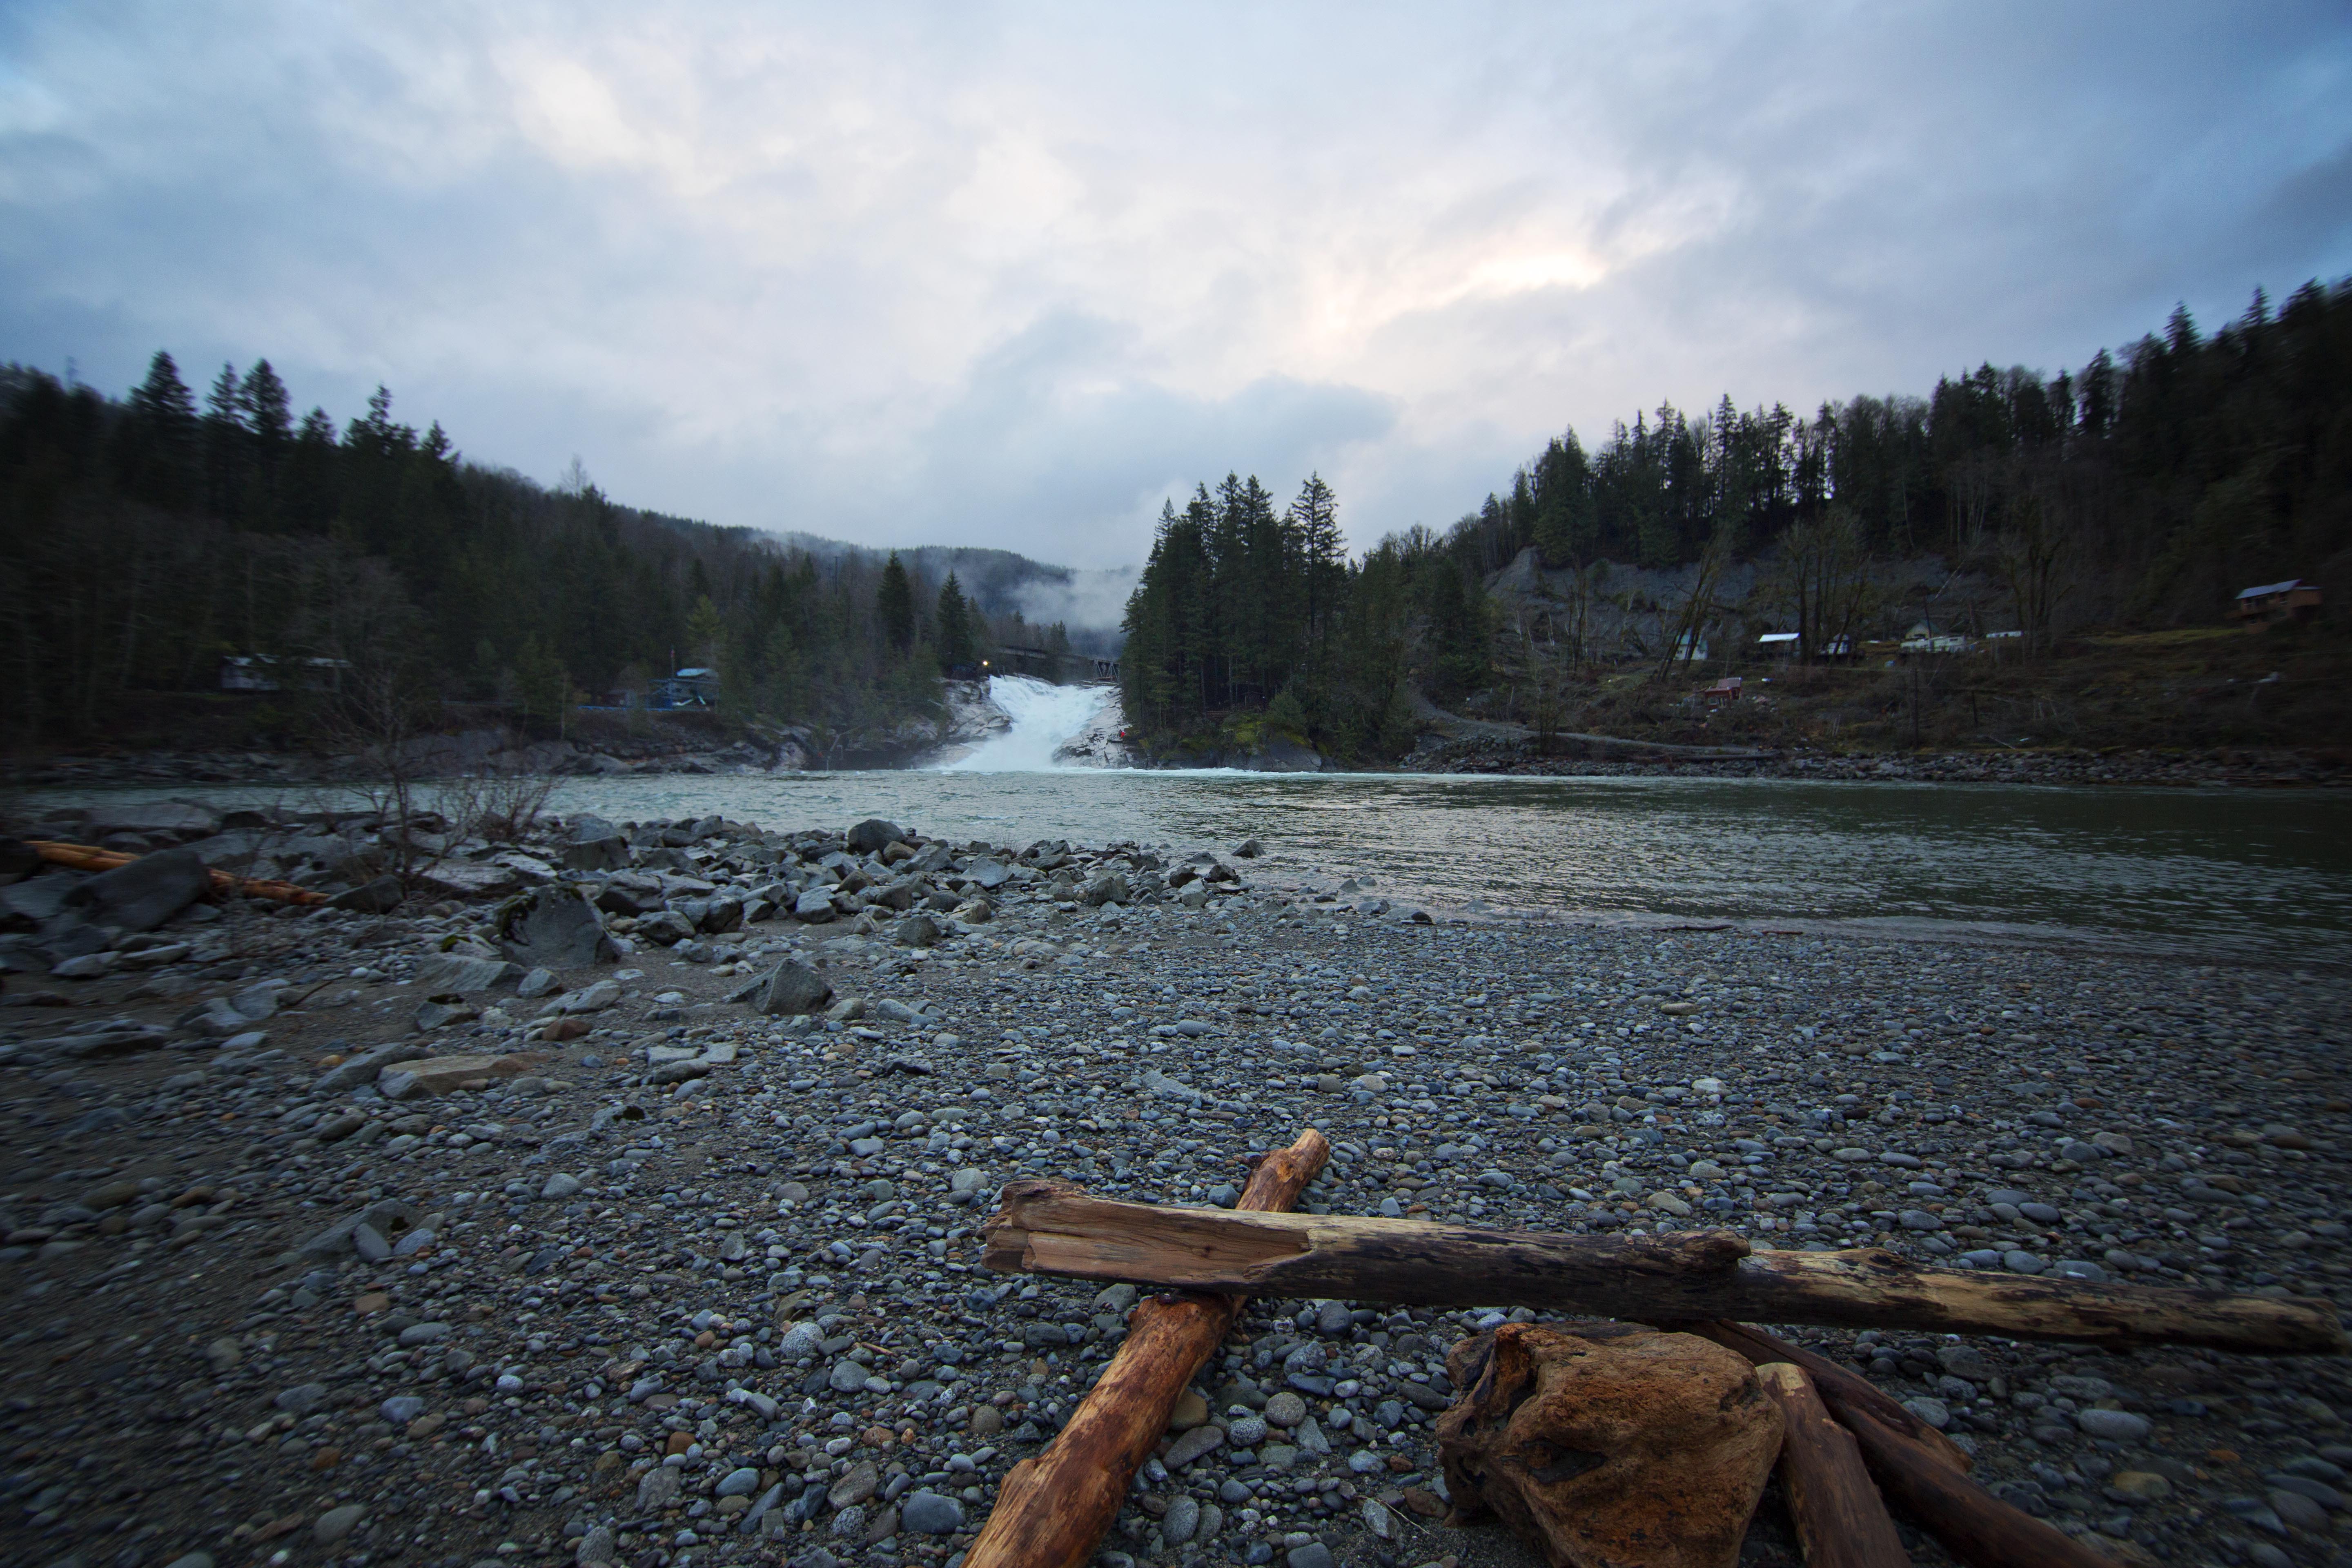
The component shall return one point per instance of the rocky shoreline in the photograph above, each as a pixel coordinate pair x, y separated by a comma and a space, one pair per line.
626, 1211
1099, 746
663, 747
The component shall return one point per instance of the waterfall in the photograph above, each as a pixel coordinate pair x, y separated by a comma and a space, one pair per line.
1044, 716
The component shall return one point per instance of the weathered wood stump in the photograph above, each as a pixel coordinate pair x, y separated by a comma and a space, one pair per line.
1613, 1446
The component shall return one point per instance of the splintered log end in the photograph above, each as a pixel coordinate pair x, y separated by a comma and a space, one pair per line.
1006, 1234
1007, 1248
1278, 1176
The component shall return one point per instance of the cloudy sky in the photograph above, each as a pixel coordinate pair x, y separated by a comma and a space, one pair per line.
1010, 275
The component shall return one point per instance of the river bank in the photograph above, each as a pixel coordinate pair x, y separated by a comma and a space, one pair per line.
2234, 765
1098, 746
648, 1219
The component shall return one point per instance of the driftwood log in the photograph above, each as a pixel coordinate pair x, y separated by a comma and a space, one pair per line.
1975, 1526
1838, 1388
1052, 1509
1841, 1519
86, 858
1053, 1227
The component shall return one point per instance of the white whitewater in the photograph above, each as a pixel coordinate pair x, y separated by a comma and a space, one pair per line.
1044, 717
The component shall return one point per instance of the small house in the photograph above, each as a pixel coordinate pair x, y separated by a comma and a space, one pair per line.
1788, 645
697, 688
1924, 638
264, 672
1722, 691
2267, 603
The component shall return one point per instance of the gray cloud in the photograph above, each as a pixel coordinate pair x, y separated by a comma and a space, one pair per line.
1011, 275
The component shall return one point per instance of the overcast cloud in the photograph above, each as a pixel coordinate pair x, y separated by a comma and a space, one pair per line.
1011, 275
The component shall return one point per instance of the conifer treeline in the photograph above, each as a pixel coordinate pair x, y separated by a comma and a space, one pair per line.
141, 540
2190, 467
2146, 488
1241, 607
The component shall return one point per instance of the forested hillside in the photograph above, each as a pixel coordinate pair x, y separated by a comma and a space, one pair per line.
2141, 491
143, 539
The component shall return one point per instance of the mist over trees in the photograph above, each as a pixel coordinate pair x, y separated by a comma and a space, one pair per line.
2144, 490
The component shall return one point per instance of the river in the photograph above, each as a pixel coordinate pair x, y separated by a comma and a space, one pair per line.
2234, 874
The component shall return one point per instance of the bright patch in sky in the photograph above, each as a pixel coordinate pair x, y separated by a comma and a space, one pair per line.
1013, 275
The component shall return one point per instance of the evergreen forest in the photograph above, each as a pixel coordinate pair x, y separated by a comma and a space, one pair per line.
144, 539
2144, 490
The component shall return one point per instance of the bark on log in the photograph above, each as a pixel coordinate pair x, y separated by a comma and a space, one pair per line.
1975, 1526
1841, 1519
1052, 1509
84, 858
1837, 1387
1053, 1227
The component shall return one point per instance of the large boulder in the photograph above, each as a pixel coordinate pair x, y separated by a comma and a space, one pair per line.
667, 928
41, 898
790, 988
146, 892
440, 1074
388, 1218
630, 894
365, 1066
554, 928
870, 837
1610, 1446
815, 907
608, 854
17, 859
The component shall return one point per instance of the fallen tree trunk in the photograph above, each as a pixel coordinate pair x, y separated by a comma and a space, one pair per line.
85, 858
1052, 1509
1837, 1387
1841, 1519
1053, 1227
1975, 1526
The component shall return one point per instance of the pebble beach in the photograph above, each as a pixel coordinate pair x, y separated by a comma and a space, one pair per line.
669, 1271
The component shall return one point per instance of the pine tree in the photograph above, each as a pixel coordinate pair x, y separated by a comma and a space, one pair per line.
263, 403
959, 651
1316, 517
226, 441
894, 606
158, 443
163, 401
704, 629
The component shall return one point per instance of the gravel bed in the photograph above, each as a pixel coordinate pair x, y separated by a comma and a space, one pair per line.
698, 1284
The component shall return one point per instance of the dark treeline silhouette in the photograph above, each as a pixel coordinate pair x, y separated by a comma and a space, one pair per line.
2186, 466
2146, 488
143, 539
1239, 606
